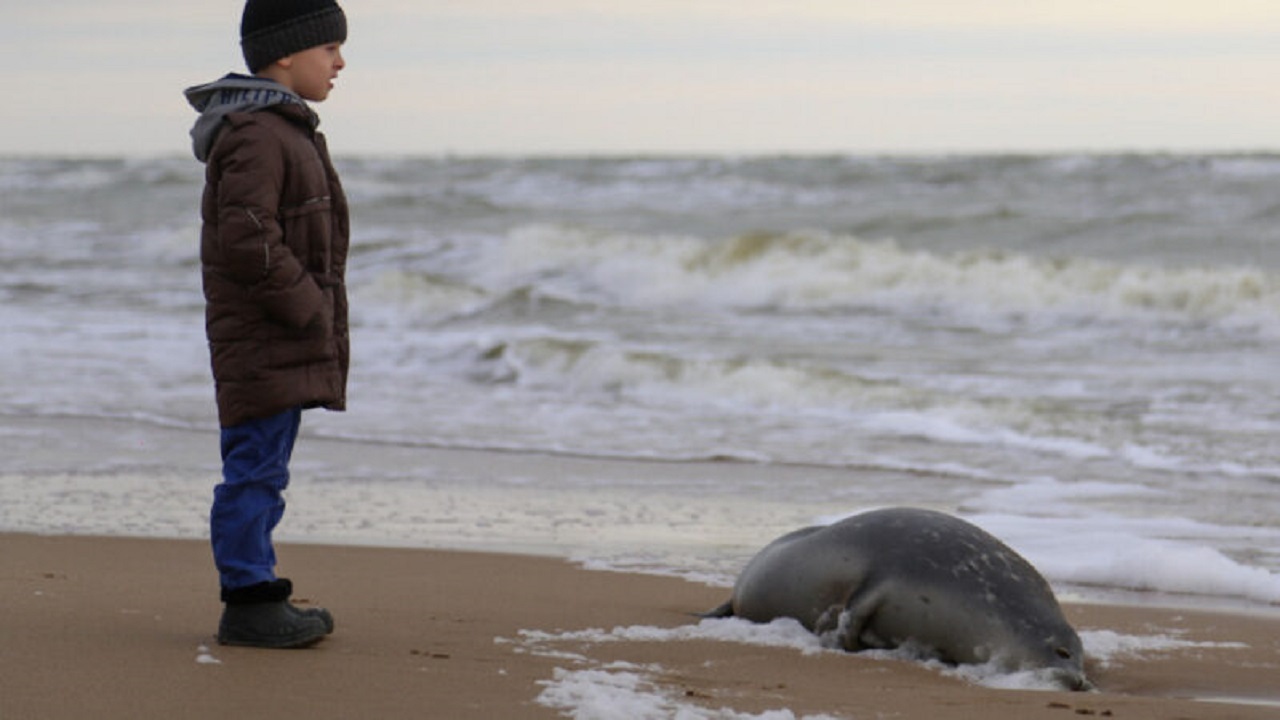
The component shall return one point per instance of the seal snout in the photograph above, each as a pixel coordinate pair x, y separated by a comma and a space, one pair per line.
1074, 681
1068, 672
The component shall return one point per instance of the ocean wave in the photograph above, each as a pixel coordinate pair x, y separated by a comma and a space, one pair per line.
657, 375
36, 175
817, 270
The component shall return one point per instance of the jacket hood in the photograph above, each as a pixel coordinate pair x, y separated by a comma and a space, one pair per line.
235, 93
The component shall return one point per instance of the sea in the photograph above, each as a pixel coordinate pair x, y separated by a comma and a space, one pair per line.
659, 364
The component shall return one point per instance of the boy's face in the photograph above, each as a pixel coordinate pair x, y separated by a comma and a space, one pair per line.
311, 72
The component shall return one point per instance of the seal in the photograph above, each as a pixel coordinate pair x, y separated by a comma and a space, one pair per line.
917, 578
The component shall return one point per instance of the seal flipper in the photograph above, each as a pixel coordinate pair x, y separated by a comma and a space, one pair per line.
855, 617
725, 610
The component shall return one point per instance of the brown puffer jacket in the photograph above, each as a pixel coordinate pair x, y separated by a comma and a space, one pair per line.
273, 251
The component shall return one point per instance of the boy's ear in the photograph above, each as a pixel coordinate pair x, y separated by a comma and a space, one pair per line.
285, 62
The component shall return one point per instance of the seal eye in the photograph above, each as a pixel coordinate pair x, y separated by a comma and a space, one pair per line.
1063, 653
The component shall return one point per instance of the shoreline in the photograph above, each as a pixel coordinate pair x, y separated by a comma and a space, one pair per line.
132, 478
122, 627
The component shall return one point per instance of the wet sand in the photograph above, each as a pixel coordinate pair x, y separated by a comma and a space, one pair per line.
123, 628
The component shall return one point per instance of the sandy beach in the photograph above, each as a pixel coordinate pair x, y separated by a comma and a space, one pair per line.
123, 628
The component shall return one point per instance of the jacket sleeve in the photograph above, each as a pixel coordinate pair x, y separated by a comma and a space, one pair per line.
251, 244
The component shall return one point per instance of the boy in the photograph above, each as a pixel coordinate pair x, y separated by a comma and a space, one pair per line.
273, 253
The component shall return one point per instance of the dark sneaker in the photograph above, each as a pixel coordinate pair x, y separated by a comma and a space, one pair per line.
270, 625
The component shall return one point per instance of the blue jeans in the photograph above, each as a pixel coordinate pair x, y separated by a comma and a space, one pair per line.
248, 503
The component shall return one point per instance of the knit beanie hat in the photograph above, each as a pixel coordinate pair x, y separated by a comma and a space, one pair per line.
272, 29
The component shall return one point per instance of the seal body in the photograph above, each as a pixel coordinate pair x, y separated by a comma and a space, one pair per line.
908, 576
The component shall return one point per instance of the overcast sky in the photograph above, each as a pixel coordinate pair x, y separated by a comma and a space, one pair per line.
655, 76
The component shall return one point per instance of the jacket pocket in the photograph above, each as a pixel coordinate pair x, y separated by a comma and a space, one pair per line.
308, 232
313, 344
319, 203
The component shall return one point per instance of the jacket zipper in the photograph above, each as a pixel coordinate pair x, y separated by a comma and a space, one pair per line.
266, 250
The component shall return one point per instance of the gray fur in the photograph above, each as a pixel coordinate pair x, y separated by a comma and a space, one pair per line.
906, 576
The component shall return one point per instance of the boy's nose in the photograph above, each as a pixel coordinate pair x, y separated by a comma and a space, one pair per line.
339, 62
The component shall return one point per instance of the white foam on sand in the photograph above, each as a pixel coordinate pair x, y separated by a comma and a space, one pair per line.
595, 691
783, 633
622, 691
790, 634
204, 657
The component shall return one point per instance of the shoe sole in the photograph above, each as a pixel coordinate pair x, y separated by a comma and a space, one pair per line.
288, 642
